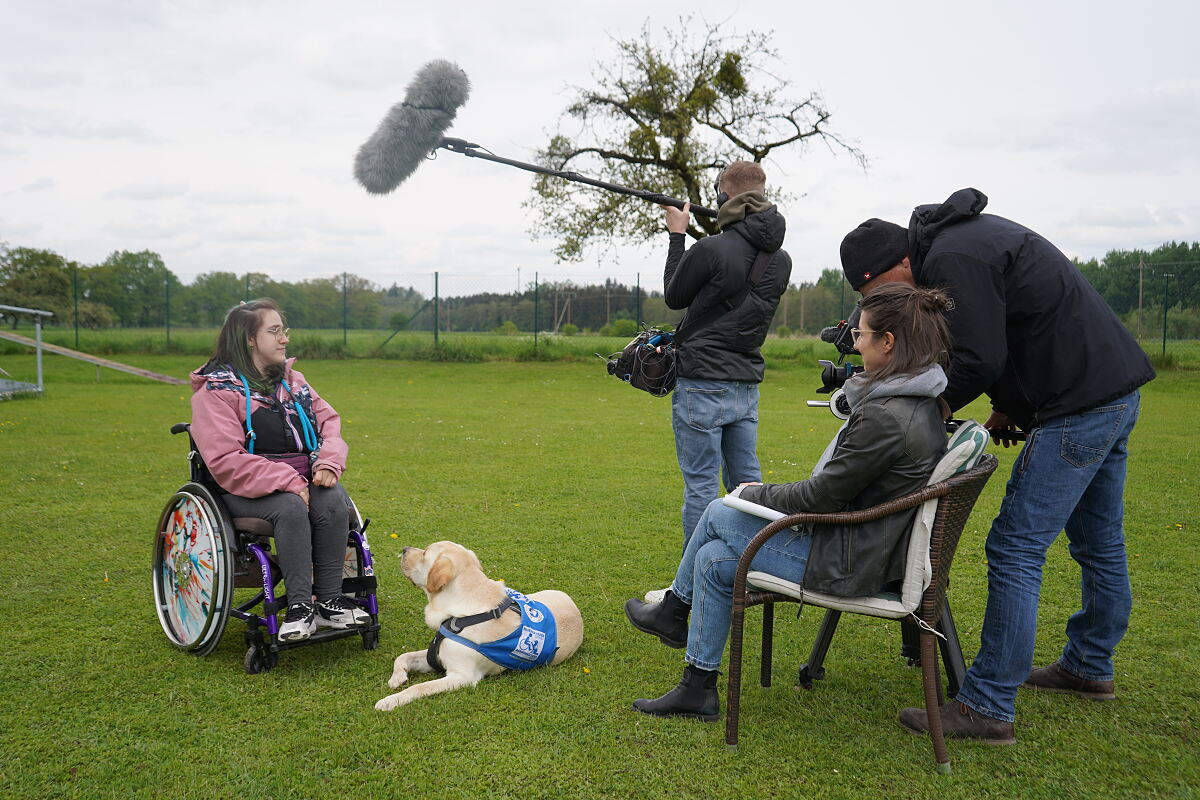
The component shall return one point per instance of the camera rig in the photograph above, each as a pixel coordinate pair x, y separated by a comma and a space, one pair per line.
834, 377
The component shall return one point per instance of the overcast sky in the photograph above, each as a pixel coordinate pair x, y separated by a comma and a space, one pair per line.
222, 135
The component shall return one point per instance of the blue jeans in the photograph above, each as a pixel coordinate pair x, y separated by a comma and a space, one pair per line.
716, 431
1070, 475
704, 579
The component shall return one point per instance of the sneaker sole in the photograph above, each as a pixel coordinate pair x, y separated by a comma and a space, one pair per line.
338, 626
1102, 697
672, 643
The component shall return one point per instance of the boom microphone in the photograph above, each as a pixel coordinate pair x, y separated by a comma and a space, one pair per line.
412, 128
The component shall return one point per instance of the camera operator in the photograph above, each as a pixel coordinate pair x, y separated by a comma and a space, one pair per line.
1031, 333
715, 407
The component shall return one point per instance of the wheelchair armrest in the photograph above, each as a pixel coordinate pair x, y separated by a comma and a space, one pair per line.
180, 427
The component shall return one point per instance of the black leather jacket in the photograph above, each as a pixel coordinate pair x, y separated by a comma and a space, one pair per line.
888, 449
711, 273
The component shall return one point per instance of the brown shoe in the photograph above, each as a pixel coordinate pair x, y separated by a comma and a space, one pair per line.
960, 722
1056, 679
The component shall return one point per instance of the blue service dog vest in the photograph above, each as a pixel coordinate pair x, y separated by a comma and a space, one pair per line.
532, 644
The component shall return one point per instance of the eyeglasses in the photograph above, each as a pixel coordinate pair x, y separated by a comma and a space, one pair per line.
855, 333
279, 332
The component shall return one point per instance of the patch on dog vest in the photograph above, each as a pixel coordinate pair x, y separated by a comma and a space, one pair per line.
532, 644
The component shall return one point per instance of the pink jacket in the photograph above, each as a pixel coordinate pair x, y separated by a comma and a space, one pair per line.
219, 430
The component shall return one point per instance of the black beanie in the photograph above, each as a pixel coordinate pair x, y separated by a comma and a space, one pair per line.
872, 249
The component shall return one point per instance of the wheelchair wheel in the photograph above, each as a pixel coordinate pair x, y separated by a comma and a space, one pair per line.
193, 570
259, 659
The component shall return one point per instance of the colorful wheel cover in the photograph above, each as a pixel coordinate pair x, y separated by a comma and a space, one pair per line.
189, 561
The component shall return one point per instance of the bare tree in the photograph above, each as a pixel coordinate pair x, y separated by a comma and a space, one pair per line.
667, 117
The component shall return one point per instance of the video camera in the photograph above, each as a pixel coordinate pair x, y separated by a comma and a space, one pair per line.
835, 375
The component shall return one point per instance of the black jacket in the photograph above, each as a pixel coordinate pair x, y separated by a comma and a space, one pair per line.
711, 273
1029, 330
888, 449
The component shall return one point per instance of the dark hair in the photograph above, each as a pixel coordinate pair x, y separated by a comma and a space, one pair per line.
916, 318
242, 324
742, 176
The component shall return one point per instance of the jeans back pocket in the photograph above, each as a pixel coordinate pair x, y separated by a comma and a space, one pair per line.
1088, 437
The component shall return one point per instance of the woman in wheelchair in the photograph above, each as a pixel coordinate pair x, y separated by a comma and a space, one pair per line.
888, 448
275, 446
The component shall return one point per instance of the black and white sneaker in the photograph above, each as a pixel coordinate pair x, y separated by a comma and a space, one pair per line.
299, 623
338, 612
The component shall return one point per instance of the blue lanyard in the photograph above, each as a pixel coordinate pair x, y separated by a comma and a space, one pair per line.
249, 427
306, 427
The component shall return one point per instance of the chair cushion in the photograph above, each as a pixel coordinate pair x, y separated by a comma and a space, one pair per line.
963, 452
884, 604
253, 526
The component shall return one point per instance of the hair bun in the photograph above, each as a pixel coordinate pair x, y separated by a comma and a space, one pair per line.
934, 299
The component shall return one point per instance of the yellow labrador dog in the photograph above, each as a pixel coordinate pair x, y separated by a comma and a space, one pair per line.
480, 621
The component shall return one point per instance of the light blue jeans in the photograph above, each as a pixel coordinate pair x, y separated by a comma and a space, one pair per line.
704, 579
1070, 475
716, 432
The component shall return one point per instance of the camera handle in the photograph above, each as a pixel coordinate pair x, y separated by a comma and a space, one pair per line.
837, 404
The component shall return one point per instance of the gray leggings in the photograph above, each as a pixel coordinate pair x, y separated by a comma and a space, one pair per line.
311, 543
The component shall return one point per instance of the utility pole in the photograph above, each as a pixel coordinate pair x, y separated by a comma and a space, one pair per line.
1166, 282
1141, 280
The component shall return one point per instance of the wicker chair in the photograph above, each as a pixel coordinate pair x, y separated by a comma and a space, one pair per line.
947, 503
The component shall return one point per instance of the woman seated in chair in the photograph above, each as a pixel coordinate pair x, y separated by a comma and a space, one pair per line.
276, 447
888, 448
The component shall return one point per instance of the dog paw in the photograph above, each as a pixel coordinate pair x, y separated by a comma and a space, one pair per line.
387, 704
398, 679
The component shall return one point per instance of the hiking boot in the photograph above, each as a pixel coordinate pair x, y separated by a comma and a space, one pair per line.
338, 612
299, 623
1055, 678
695, 697
656, 595
667, 620
960, 722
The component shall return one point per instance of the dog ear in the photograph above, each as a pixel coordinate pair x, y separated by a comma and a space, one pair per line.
441, 573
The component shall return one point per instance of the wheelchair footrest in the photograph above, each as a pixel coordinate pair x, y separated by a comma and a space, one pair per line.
325, 635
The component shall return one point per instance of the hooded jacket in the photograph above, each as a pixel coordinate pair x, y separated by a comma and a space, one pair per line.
712, 273
888, 448
1029, 330
219, 430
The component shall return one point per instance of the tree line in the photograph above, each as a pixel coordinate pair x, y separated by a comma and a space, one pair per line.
135, 290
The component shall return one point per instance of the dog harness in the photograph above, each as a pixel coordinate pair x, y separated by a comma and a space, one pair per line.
532, 644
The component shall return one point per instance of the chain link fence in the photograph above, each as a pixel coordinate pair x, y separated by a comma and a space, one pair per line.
347, 315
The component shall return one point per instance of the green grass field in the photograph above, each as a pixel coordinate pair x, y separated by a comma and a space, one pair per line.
558, 476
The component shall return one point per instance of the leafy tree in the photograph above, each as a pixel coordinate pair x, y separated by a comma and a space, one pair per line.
667, 117
398, 321
32, 278
134, 286
210, 296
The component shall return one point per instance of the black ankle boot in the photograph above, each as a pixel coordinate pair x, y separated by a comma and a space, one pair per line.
667, 620
695, 697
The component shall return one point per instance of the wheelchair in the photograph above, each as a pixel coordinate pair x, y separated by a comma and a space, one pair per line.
201, 555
